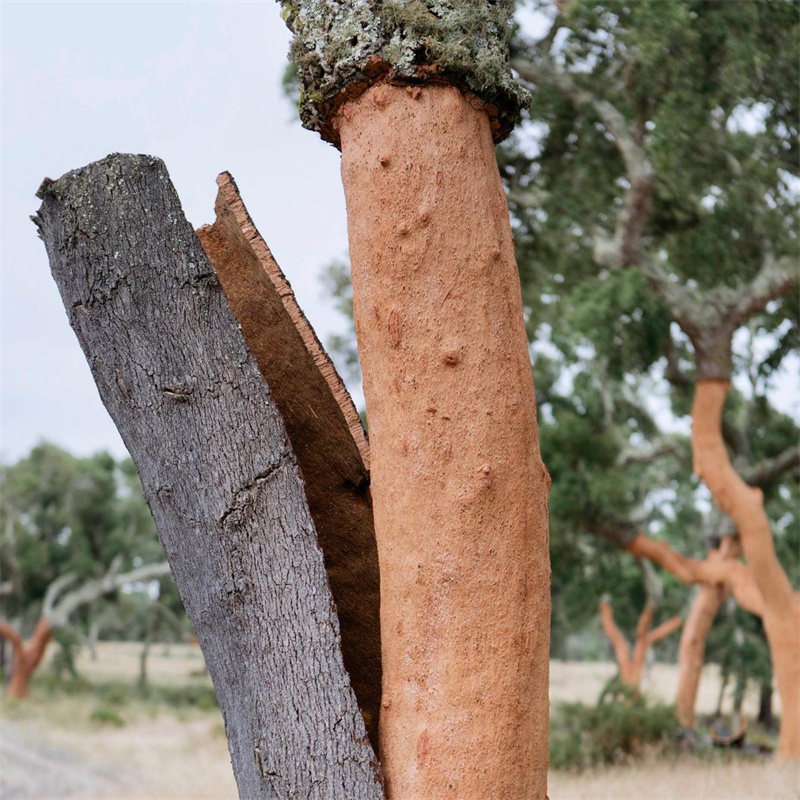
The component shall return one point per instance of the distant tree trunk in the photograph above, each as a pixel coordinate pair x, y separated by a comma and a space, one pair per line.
765, 714
631, 664
691, 653
218, 473
458, 486
745, 506
27, 657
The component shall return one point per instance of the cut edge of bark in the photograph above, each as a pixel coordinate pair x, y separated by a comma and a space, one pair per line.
230, 191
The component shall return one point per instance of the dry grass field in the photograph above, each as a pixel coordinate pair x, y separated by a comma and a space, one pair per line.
51, 747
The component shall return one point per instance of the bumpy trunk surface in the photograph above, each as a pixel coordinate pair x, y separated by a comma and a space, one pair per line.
458, 485
218, 473
745, 506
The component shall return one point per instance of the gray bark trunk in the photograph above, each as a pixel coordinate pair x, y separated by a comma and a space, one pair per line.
218, 473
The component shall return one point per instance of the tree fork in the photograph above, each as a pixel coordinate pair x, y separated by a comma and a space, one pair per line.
458, 486
218, 473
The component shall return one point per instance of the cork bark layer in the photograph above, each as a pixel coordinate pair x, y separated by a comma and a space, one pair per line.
459, 489
745, 506
341, 49
323, 427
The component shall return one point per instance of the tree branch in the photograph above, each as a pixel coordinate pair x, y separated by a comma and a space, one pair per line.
625, 249
734, 574
769, 469
664, 630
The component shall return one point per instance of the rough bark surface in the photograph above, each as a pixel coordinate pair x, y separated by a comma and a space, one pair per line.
323, 427
341, 49
218, 473
459, 489
745, 506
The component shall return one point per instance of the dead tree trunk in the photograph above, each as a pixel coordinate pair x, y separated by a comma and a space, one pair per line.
458, 485
218, 473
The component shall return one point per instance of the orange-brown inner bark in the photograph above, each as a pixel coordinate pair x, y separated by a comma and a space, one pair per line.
459, 489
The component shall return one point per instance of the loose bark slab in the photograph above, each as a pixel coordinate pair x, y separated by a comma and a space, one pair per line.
458, 486
323, 427
218, 473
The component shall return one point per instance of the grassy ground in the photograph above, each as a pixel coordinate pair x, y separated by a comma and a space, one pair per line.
117, 744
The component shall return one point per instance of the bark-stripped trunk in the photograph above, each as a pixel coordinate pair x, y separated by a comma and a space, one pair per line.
323, 427
745, 506
631, 664
458, 485
27, 657
218, 473
691, 653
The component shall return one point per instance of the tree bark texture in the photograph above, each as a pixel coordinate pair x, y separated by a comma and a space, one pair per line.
458, 485
324, 429
745, 506
27, 657
218, 473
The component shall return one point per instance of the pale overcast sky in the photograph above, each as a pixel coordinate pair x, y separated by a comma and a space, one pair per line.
197, 84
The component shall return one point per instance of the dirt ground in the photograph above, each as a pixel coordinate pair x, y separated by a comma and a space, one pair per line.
50, 747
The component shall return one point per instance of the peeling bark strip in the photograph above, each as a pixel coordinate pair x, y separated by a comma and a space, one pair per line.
218, 473
343, 48
458, 486
323, 427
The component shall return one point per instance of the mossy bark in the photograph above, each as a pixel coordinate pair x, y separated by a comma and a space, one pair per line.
342, 48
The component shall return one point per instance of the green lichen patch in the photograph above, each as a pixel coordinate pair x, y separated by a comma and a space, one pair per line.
341, 48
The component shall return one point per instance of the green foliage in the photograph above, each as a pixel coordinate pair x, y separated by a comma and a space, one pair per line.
106, 715
588, 736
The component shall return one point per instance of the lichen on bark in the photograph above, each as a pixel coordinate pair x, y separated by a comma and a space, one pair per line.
341, 48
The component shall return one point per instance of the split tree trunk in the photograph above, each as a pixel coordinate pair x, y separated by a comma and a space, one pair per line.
218, 473
458, 485
323, 427
27, 657
745, 506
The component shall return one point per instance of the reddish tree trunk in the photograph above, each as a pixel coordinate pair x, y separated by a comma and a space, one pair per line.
745, 506
27, 657
631, 665
691, 655
458, 485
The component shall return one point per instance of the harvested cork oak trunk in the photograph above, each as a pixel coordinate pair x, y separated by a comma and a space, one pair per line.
459, 487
